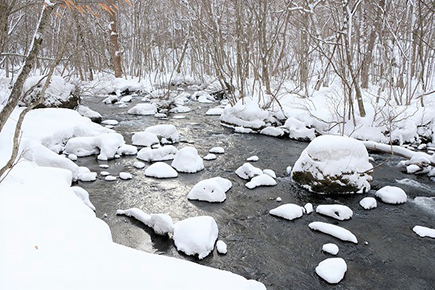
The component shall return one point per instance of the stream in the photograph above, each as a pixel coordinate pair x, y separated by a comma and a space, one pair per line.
281, 254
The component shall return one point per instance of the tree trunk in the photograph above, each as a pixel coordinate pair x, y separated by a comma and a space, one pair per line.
115, 53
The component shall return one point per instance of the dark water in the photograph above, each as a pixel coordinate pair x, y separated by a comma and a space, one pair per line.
282, 254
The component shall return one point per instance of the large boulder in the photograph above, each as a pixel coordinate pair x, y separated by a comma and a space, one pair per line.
334, 164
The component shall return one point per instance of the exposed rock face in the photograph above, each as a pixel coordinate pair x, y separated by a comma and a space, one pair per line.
334, 164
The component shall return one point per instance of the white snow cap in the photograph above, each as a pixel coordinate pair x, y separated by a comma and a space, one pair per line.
196, 235
337, 211
269, 172
209, 157
125, 175
424, 231
247, 171
246, 113
308, 208
221, 247
332, 270
298, 130
143, 109
83, 195
272, 131
253, 158
217, 150
167, 131
138, 164
164, 153
161, 170
368, 203
261, 180
333, 230
187, 160
211, 190
288, 211
160, 223
391, 195
144, 139
215, 111
330, 248
126, 150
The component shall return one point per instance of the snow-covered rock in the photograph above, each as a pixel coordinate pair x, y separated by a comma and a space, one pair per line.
161, 170
144, 139
161, 223
164, 153
269, 172
126, 149
138, 164
110, 122
288, 211
143, 109
125, 175
298, 130
335, 231
253, 158
215, 111
217, 150
88, 113
105, 145
330, 248
334, 164
83, 195
247, 171
187, 160
261, 180
221, 247
308, 208
424, 231
209, 157
211, 190
243, 130
337, 211
166, 131
246, 113
391, 195
272, 131
110, 178
332, 270
368, 203
196, 235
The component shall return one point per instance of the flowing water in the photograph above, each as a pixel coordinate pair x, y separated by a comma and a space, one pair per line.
282, 254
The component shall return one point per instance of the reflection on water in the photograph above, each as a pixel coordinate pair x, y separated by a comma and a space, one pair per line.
281, 254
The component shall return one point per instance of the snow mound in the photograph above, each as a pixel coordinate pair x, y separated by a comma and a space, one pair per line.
269, 172
368, 203
196, 235
261, 180
161, 170
333, 230
187, 160
211, 190
334, 164
167, 152
391, 195
330, 248
144, 139
214, 111
217, 150
127, 150
180, 109
209, 156
160, 223
221, 247
138, 165
105, 145
332, 270
253, 158
246, 113
308, 208
143, 110
110, 178
272, 131
424, 231
288, 211
298, 130
88, 113
83, 195
337, 211
125, 175
166, 131
247, 171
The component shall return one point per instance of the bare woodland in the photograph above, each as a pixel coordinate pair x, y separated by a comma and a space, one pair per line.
385, 45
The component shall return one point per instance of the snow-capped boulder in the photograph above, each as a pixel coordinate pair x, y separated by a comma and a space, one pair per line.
368, 202
215, 111
248, 171
211, 190
196, 235
187, 160
330, 248
337, 211
125, 175
127, 150
143, 109
288, 211
261, 180
424, 231
332, 270
161, 223
88, 113
246, 113
269, 172
335, 231
217, 150
106, 145
164, 153
144, 139
272, 131
391, 195
221, 247
334, 164
161, 170
166, 131
298, 130
209, 157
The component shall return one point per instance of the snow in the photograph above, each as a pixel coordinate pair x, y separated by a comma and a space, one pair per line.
167, 131
243, 130
126, 149
261, 180
196, 235
110, 178
88, 113
278, 199
143, 110
138, 165
87, 176
424, 231
104, 166
247, 171
211, 190
269, 172
209, 157
125, 175
110, 122
161, 223
166, 152
72, 157
83, 195
272, 131
391, 195
105, 145
217, 150
337, 211
332, 270
253, 158
337, 160
221, 247
308, 208
215, 111
144, 139
368, 202
288, 211
335, 231
330, 248
104, 173
298, 130
161, 170
187, 160
246, 113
